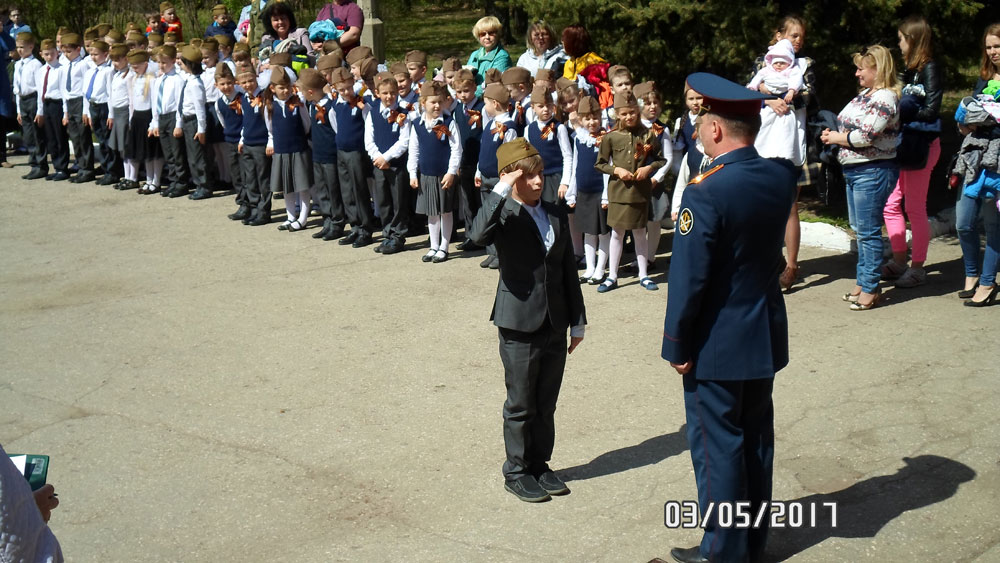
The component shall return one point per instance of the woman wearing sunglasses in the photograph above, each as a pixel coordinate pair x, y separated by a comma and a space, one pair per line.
867, 133
490, 54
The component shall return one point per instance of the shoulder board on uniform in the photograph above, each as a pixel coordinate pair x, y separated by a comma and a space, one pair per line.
701, 177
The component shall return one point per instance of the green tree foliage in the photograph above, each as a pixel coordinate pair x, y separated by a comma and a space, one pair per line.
665, 40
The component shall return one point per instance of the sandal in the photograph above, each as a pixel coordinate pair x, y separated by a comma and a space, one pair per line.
648, 284
284, 226
295, 226
859, 306
595, 280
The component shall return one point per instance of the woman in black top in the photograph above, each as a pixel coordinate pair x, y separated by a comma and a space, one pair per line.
918, 153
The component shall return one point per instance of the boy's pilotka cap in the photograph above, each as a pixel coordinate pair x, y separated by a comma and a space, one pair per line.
450, 64
71, 40
197, 41
724, 97
515, 75
137, 35
497, 92
545, 74
168, 51
219, 9
540, 95
117, 51
138, 56
115, 36
398, 68
279, 77
518, 149
341, 75
25, 38
280, 59
224, 40
588, 106
358, 54
103, 29
464, 74
643, 89
310, 78
415, 56
100, 46
47, 44
90, 34
170, 36
385, 75
191, 53
367, 68
625, 100
211, 45
562, 83
223, 71
329, 61
492, 76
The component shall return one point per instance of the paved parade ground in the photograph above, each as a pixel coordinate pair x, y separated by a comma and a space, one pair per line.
209, 391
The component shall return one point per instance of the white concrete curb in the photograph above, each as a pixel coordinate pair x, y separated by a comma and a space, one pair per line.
824, 235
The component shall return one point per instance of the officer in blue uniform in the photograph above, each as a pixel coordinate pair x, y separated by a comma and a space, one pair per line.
726, 331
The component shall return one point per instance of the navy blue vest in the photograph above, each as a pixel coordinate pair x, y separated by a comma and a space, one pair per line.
287, 129
548, 149
471, 135
588, 179
254, 126
488, 151
434, 153
694, 155
350, 127
324, 139
234, 121
383, 132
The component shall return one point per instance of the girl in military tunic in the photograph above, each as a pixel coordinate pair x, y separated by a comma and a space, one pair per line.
629, 155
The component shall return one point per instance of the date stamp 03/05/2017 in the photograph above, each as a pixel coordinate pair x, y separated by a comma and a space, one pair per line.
742, 514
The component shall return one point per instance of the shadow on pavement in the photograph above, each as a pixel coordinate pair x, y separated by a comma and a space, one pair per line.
648, 452
864, 508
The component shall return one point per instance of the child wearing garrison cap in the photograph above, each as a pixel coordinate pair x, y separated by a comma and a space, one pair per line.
166, 99
498, 128
352, 162
118, 102
538, 298
469, 117
26, 89
416, 64
213, 131
630, 155
387, 138
620, 79
256, 164
434, 156
517, 80
587, 186
291, 162
171, 23
551, 139
49, 78
650, 107
326, 183
229, 113
191, 124
73, 88
408, 95
141, 144
222, 22
96, 95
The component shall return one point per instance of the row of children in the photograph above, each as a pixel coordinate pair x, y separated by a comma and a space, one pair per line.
371, 149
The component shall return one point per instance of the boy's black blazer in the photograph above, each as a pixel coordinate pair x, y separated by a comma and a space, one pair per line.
533, 283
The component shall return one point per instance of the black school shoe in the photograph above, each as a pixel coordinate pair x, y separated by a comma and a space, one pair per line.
526, 488
242, 213
334, 233
350, 238
364, 239
201, 193
552, 483
393, 246
327, 225
107, 180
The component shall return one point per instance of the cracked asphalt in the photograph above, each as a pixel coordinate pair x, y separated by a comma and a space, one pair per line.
214, 392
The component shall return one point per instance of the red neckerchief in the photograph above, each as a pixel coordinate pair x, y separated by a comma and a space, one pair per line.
475, 117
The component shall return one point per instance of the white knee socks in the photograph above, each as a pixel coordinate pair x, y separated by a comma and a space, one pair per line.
447, 222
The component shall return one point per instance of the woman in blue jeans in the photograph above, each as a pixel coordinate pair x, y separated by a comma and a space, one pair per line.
867, 132
980, 285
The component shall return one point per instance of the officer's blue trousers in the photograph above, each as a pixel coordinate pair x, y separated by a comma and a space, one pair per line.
730, 428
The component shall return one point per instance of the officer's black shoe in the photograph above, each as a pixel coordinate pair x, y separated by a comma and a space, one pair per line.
468, 246
250, 218
393, 246
350, 238
326, 229
36, 174
261, 219
688, 555
381, 246
178, 192
527, 489
201, 193
107, 180
83, 177
58, 177
552, 484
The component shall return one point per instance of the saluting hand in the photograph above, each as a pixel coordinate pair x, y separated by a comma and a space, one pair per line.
511, 177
